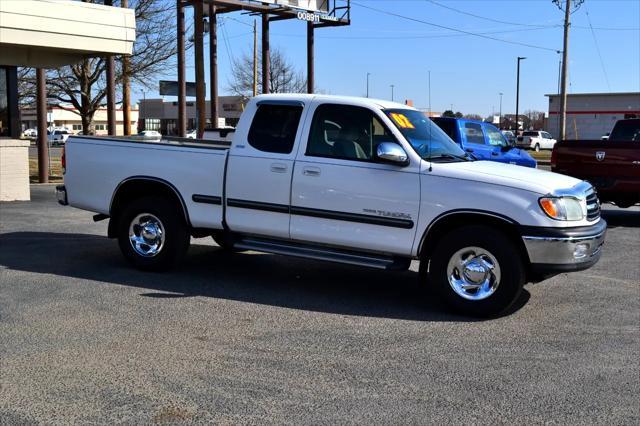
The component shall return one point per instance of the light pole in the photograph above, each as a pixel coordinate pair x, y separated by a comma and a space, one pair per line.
368, 74
392, 86
520, 58
429, 99
500, 113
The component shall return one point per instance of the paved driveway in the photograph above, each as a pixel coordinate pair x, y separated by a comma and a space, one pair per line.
256, 338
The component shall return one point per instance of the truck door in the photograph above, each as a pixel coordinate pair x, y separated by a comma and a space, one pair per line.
341, 195
259, 170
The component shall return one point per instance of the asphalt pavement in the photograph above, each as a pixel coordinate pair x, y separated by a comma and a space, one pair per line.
258, 338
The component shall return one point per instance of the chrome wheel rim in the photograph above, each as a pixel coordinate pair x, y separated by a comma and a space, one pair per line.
473, 273
146, 235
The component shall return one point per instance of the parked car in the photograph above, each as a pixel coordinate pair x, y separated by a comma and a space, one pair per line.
30, 133
536, 140
483, 140
58, 136
150, 133
192, 134
612, 166
351, 180
509, 135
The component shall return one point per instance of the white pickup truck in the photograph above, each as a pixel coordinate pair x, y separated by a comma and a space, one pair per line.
352, 180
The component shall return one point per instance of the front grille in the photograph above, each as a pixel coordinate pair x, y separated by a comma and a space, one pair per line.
593, 205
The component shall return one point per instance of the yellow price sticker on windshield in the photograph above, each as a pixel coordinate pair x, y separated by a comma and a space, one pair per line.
402, 120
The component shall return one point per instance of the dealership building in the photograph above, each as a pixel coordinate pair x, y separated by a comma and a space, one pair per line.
161, 115
592, 115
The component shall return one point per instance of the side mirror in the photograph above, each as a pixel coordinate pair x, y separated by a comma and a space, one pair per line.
389, 152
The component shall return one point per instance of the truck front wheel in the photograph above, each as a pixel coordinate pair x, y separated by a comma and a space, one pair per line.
152, 234
477, 270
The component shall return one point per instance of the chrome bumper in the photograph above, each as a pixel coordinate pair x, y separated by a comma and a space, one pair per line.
61, 195
565, 250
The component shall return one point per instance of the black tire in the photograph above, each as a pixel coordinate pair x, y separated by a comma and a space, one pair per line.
175, 234
498, 245
537, 147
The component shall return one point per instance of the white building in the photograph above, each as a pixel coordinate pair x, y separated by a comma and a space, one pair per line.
67, 117
592, 115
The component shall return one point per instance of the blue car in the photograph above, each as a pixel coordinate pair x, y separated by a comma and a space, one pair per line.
484, 141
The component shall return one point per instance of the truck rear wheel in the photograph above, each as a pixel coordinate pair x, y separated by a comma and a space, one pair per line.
477, 271
152, 234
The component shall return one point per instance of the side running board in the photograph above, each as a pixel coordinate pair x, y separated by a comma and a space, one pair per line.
323, 253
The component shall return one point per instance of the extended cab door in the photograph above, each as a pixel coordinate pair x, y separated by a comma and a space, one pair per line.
341, 195
474, 141
260, 166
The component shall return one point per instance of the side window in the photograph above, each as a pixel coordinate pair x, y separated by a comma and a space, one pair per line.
473, 133
346, 132
274, 128
495, 137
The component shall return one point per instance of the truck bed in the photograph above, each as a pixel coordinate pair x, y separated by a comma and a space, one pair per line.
98, 166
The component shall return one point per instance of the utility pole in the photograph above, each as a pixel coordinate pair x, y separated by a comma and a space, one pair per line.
126, 92
368, 74
255, 59
182, 88
565, 64
213, 64
500, 113
392, 86
520, 58
43, 139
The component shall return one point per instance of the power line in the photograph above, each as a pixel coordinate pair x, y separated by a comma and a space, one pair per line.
454, 29
409, 36
595, 41
490, 19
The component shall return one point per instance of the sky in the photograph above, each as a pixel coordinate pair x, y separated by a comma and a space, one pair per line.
467, 72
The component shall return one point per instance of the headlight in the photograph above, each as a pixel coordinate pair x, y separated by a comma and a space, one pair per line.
563, 208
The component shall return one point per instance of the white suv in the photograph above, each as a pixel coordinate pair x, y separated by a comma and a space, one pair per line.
536, 140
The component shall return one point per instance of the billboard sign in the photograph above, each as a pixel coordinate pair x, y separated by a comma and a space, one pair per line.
170, 88
320, 6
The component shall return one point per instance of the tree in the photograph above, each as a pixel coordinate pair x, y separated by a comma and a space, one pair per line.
83, 85
533, 119
473, 117
458, 114
285, 78
448, 113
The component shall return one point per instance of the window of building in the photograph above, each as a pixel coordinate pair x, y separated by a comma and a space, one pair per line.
77, 127
274, 128
100, 127
346, 132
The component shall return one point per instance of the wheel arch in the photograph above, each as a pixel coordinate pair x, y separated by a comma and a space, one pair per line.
449, 221
136, 186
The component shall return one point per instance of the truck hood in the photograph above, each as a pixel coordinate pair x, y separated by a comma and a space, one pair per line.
529, 179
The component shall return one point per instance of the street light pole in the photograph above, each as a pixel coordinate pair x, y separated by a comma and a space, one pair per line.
520, 58
368, 74
500, 116
392, 86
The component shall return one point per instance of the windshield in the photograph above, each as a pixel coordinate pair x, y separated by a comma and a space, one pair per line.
426, 138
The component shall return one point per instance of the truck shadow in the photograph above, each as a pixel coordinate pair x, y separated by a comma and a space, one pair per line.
621, 218
247, 277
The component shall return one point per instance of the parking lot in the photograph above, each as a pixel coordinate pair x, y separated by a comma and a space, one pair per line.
257, 338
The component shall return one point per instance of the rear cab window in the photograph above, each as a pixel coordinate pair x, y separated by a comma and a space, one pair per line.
473, 133
274, 128
626, 130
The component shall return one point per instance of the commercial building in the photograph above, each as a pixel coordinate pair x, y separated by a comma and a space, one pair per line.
48, 34
67, 117
592, 115
160, 115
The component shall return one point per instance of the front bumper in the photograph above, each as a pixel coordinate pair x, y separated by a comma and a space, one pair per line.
555, 250
61, 195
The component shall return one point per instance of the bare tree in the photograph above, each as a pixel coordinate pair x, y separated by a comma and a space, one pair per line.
83, 84
533, 119
473, 117
285, 78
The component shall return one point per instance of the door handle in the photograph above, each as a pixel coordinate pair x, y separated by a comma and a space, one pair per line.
278, 168
469, 150
311, 171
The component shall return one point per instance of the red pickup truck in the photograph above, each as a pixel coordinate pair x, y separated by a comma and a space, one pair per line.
612, 166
